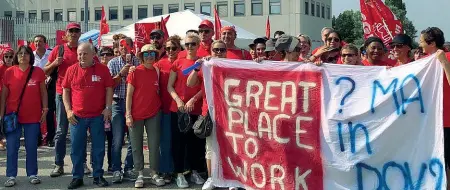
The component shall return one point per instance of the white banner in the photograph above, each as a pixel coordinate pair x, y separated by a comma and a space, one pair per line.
298, 126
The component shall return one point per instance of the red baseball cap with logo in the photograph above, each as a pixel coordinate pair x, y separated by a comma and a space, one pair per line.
73, 25
206, 24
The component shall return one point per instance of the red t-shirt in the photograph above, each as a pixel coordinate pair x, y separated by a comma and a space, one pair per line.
365, 62
146, 100
88, 87
238, 54
164, 66
31, 106
184, 92
202, 51
70, 58
3, 68
446, 95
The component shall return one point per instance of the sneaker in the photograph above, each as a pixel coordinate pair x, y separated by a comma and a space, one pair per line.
181, 181
167, 178
156, 180
86, 169
34, 180
10, 182
208, 185
233, 188
57, 171
100, 181
117, 177
196, 178
139, 183
75, 184
129, 175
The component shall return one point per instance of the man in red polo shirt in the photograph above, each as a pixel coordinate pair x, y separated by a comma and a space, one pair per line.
206, 31
228, 35
56, 67
87, 96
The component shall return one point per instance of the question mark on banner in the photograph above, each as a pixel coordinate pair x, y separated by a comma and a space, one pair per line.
338, 81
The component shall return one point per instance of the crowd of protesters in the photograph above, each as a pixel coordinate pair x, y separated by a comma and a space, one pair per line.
116, 93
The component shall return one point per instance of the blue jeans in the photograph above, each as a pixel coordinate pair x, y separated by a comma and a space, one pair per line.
78, 134
31, 134
61, 131
118, 133
165, 159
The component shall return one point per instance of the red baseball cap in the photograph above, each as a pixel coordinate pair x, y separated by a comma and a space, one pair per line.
73, 25
206, 23
230, 28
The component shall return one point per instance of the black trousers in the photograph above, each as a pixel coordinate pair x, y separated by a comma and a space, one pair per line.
186, 147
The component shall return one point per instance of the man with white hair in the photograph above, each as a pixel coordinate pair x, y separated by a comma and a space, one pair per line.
87, 97
323, 33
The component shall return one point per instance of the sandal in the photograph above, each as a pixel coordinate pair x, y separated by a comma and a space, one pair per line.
139, 183
34, 180
10, 182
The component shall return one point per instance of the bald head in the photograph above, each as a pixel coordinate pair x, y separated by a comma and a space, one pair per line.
85, 54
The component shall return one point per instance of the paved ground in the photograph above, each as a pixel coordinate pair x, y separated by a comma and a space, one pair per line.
46, 161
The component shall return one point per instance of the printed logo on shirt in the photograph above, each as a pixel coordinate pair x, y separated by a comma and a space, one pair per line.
32, 82
96, 78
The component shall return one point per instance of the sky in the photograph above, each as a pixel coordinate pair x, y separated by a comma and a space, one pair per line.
422, 14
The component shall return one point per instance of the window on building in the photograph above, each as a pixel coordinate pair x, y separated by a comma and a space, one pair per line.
32, 15
142, 11
222, 8
306, 7
45, 15
113, 13
323, 11
275, 7
239, 8
157, 10
318, 9
205, 8
20, 14
72, 15
127, 12
82, 14
7, 14
98, 13
173, 8
313, 7
257, 7
190, 6
58, 15
328, 13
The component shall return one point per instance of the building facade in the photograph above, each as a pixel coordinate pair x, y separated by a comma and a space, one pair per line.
292, 16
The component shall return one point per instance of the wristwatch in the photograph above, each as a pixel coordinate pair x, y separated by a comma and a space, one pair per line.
108, 107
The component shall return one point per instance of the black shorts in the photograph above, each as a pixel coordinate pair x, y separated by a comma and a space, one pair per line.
447, 146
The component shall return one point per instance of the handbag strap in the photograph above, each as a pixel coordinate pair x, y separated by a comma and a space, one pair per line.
24, 86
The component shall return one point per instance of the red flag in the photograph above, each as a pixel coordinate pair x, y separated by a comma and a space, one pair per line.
142, 34
268, 28
60, 37
378, 20
21, 43
32, 46
163, 27
104, 27
217, 25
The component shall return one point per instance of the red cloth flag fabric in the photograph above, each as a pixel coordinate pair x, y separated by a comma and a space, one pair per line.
268, 28
378, 20
60, 37
142, 34
21, 43
217, 25
104, 27
164, 28
32, 46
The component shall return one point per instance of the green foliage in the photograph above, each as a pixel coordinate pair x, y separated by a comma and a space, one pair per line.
398, 7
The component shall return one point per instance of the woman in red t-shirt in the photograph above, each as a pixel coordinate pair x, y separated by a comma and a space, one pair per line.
186, 107
329, 53
143, 112
31, 113
7, 60
375, 51
305, 44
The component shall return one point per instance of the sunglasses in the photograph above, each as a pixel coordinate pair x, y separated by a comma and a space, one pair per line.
219, 50
398, 46
155, 37
191, 44
347, 55
74, 30
107, 54
171, 48
8, 57
204, 31
333, 39
149, 54
297, 49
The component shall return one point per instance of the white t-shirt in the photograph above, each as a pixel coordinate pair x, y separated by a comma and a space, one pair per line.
40, 62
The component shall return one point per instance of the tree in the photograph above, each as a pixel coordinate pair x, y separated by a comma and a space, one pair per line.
348, 24
398, 7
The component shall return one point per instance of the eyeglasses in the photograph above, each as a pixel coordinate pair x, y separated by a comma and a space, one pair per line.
155, 37
192, 44
74, 30
107, 54
204, 31
173, 48
333, 39
398, 46
347, 55
297, 49
8, 57
219, 50
149, 54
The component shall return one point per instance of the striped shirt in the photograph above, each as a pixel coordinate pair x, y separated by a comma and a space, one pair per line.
114, 66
